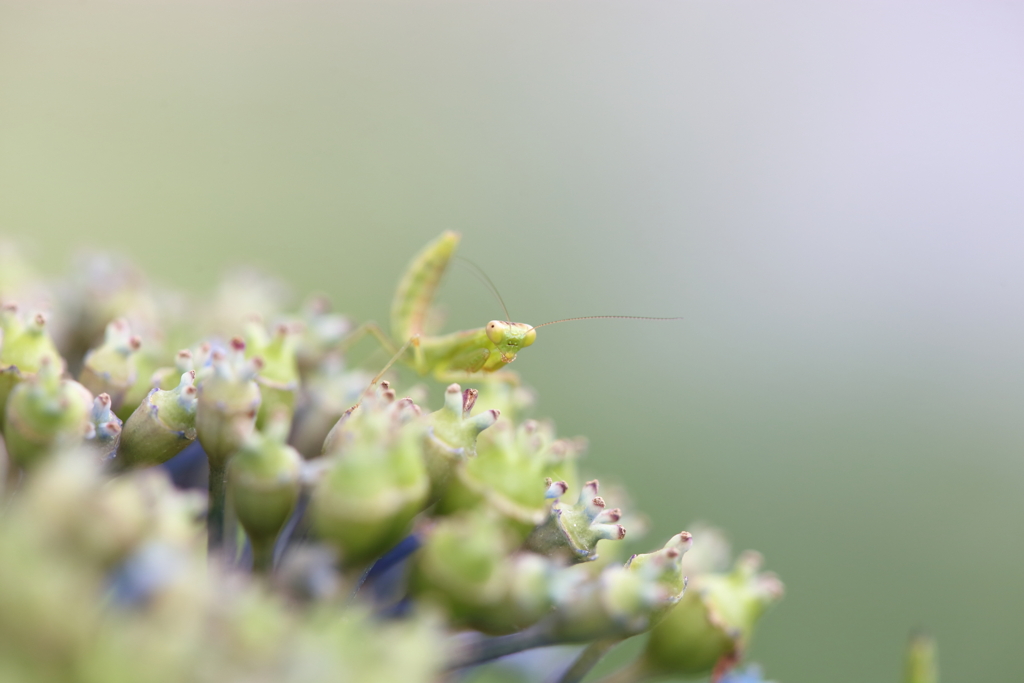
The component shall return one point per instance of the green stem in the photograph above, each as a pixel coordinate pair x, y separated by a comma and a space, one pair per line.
591, 655
631, 673
262, 555
215, 516
485, 648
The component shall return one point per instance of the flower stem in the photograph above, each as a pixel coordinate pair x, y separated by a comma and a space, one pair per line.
591, 655
631, 673
262, 556
215, 516
486, 648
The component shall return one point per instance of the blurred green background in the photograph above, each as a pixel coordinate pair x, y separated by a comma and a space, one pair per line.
830, 193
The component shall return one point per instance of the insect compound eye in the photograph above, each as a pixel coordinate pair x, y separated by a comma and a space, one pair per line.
529, 338
495, 332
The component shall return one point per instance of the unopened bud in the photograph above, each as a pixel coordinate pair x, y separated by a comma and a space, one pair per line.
26, 345
111, 367
573, 531
161, 427
452, 439
229, 399
711, 626
263, 484
45, 412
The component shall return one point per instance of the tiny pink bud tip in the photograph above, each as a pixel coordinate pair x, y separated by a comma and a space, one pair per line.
672, 553
385, 385
622, 532
10, 307
388, 395
598, 501
103, 399
282, 329
257, 362
469, 397
218, 356
135, 342
453, 389
204, 347
192, 374
113, 427
592, 484
189, 390
769, 585
237, 344
530, 426
555, 489
750, 560
40, 319
184, 354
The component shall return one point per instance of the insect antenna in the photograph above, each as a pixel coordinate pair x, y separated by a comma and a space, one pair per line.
604, 317
482, 277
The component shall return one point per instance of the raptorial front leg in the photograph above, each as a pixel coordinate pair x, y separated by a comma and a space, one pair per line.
371, 328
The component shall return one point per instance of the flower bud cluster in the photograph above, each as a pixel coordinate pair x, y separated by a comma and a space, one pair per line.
349, 531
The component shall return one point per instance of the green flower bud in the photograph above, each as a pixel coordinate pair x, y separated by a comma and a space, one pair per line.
921, 664
242, 295
279, 373
161, 427
467, 566
45, 412
263, 486
168, 377
25, 346
99, 290
325, 397
620, 601
452, 437
711, 626
104, 428
371, 419
376, 482
665, 567
111, 368
320, 336
147, 363
98, 521
229, 399
573, 531
511, 400
512, 473
307, 574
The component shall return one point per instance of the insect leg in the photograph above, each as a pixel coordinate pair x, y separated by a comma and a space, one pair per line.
371, 328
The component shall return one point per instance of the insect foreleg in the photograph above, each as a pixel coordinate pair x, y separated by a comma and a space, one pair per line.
371, 328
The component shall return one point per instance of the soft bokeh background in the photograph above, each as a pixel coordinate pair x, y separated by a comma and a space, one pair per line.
831, 194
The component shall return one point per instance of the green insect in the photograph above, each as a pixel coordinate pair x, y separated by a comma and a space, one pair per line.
459, 355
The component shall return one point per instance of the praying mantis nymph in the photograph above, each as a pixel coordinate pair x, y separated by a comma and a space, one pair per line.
458, 355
